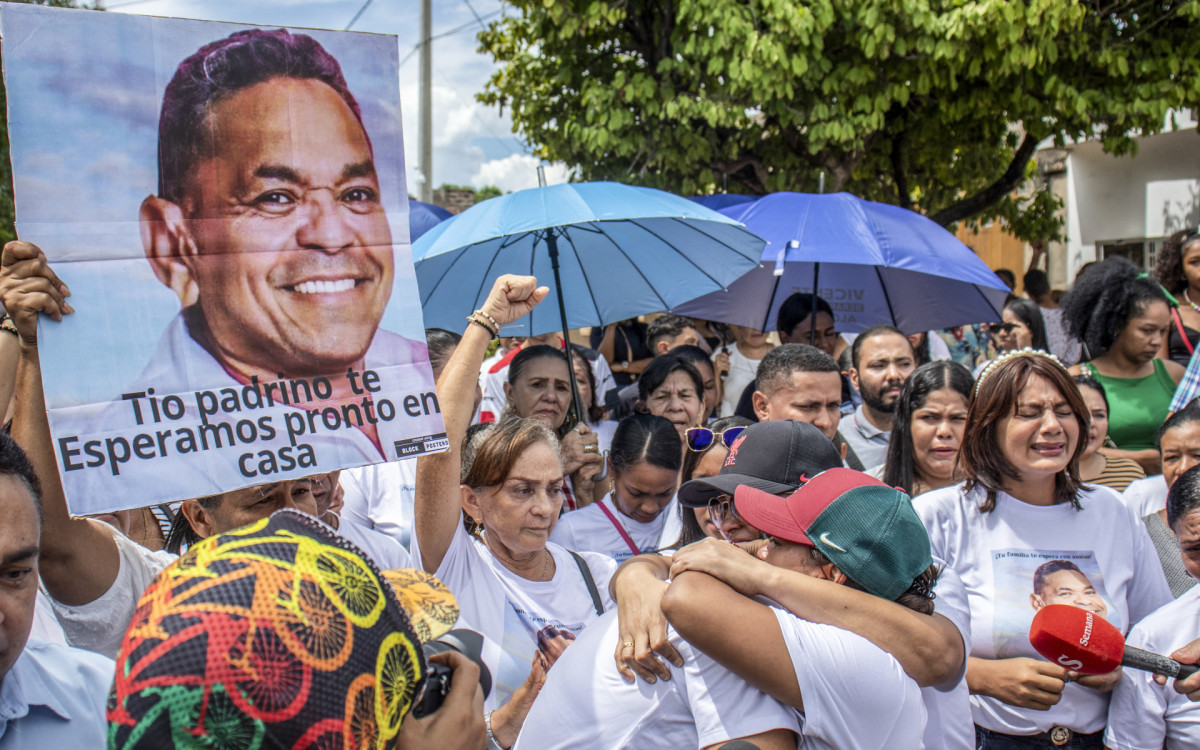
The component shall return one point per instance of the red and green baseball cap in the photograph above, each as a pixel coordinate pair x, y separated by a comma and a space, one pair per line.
866, 528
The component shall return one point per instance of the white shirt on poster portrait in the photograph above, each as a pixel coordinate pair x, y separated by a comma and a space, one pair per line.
180, 366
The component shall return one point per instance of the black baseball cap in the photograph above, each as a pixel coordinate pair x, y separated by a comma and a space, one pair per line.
774, 457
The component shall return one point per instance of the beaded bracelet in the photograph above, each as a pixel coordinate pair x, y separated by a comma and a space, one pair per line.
480, 318
7, 326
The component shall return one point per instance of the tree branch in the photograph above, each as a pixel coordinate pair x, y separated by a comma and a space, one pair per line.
1012, 177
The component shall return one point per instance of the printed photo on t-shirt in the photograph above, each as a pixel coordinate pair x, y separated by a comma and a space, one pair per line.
1027, 580
525, 633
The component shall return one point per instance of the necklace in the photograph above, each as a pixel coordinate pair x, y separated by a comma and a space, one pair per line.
1189, 301
546, 565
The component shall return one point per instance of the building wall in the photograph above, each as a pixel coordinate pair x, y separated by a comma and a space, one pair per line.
997, 248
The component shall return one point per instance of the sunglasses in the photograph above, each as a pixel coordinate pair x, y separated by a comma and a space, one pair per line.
1004, 327
701, 438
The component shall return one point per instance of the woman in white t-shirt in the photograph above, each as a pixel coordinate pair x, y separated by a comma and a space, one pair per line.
931, 416
1023, 506
527, 596
644, 462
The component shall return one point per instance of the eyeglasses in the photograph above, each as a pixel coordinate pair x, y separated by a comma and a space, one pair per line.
721, 511
700, 439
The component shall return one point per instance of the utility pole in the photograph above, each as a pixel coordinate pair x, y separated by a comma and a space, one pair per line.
425, 129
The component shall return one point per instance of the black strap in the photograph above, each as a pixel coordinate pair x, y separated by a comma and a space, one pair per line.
586, 572
852, 459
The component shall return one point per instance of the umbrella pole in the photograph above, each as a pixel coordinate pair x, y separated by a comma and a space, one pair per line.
812, 316
552, 246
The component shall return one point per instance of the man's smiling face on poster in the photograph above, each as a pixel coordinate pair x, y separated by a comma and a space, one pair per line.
282, 240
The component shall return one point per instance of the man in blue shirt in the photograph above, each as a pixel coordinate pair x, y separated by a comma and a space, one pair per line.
50, 695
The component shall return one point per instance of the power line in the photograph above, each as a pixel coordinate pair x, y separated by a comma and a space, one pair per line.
451, 32
477, 18
358, 15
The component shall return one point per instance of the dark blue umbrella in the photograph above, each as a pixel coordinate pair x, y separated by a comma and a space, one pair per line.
722, 200
424, 216
873, 262
613, 252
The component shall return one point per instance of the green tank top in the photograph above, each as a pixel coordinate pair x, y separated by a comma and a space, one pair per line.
1137, 407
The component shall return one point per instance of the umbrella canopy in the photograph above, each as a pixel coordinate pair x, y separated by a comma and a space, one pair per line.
722, 200
623, 251
424, 216
874, 263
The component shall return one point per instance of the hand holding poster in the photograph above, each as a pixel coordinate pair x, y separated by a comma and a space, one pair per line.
228, 207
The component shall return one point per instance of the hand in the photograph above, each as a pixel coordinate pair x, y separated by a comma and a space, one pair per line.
580, 447
1021, 682
640, 622
512, 297
736, 565
721, 363
1189, 654
28, 286
508, 719
1102, 682
458, 724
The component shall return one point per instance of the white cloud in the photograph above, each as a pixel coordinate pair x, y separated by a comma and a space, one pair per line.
517, 172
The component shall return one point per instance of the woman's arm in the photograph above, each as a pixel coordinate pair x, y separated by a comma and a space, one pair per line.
438, 503
929, 648
638, 587
1150, 459
702, 609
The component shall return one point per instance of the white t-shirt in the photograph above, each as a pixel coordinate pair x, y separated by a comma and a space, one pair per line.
100, 624
384, 551
742, 371
948, 705
1143, 713
517, 616
586, 704
856, 696
590, 530
996, 554
380, 497
1146, 496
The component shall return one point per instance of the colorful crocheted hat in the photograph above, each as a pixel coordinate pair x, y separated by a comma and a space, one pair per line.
279, 634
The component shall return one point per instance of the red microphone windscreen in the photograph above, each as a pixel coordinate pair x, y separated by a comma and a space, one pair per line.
1076, 639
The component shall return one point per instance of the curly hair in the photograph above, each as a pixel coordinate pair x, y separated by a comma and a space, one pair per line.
1103, 301
1168, 269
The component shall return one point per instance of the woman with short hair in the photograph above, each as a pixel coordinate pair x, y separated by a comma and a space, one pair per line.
1023, 505
528, 596
672, 388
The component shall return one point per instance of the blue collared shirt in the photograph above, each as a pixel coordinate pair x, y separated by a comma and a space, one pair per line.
54, 697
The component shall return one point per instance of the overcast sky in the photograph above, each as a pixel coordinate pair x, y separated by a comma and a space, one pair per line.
472, 143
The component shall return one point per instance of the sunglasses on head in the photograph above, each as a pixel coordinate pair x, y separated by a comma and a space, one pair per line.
701, 438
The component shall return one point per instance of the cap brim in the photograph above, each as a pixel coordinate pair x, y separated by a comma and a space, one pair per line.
769, 514
696, 493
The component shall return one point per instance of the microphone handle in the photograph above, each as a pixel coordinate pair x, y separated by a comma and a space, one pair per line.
1151, 662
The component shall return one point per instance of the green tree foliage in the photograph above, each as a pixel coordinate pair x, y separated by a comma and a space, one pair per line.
8, 212
481, 194
936, 105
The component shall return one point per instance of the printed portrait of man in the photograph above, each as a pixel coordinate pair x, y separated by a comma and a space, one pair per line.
268, 223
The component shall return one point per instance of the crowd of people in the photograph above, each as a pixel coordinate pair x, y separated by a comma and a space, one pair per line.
805, 553
685, 535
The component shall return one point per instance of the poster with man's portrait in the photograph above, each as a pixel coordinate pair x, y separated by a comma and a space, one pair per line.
228, 206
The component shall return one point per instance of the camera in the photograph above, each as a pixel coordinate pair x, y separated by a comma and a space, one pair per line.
437, 679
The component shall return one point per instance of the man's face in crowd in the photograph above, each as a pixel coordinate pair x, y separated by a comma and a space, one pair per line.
240, 507
19, 541
292, 258
812, 397
686, 337
884, 363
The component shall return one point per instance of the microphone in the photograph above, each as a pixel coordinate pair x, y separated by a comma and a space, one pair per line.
1082, 642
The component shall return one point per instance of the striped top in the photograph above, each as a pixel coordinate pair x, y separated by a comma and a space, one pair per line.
1119, 473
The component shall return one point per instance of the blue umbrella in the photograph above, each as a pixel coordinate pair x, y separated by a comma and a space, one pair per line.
424, 216
722, 200
625, 251
874, 263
